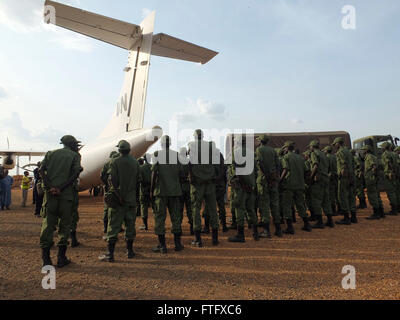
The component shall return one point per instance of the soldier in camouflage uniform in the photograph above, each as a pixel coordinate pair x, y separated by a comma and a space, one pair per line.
390, 171
320, 185
333, 181
307, 174
123, 180
75, 214
268, 170
242, 188
202, 186
104, 179
293, 187
345, 167
371, 182
185, 201
166, 189
59, 170
397, 157
144, 194
359, 181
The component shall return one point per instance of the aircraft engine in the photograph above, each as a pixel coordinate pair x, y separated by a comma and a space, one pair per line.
9, 161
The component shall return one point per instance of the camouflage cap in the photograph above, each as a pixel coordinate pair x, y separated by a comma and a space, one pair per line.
385, 145
288, 144
124, 145
337, 140
366, 148
69, 140
327, 149
198, 134
263, 138
314, 143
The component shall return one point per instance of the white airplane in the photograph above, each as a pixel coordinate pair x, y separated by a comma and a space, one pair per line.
127, 120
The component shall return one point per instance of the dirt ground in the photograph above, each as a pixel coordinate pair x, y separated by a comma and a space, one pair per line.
303, 266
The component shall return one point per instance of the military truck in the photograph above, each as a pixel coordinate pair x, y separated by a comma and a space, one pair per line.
301, 139
375, 142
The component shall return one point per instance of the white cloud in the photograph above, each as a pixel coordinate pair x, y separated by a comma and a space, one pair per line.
20, 137
3, 93
202, 108
26, 16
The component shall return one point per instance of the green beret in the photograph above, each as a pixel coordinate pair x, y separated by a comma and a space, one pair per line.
314, 143
263, 138
66, 140
288, 144
338, 140
124, 145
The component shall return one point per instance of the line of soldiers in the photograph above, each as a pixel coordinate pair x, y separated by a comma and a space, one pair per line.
269, 182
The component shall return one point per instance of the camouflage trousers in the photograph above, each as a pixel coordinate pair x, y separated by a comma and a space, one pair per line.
320, 198
55, 212
161, 204
121, 215
75, 213
290, 197
243, 206
185, 202
391, 191
359, 189
333, 192
207, 193
347, 196
144, 200
268, 202
373, 196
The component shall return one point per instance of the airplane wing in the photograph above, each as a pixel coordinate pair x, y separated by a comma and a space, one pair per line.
22, 153
165, 45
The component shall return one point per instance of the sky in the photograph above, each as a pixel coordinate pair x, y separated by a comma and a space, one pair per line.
283, 66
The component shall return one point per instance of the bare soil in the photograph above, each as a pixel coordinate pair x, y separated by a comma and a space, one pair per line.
303, 266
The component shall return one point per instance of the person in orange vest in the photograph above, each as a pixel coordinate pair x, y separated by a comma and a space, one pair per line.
25, 187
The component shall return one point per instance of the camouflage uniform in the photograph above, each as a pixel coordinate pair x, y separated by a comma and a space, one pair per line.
268, 169
390, 172
333, 181
144, 195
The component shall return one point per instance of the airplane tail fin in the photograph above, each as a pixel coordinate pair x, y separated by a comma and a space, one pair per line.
140, 42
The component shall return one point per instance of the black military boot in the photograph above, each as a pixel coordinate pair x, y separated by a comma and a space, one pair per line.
266, 232
289, 229
364, 204
109, 255
129, 246
256, 235
161, 247
345, 221
278, 230
197, 241
191, 229
74, 240
233, 226
382, 213
46, 257
145, 224
260, 224
319, 224
307, 226
393, 212
375, 215
206, 229
62, 260
353, 218
177, 240
313, 217
224, 227
215, 241
239, 237
330, 223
